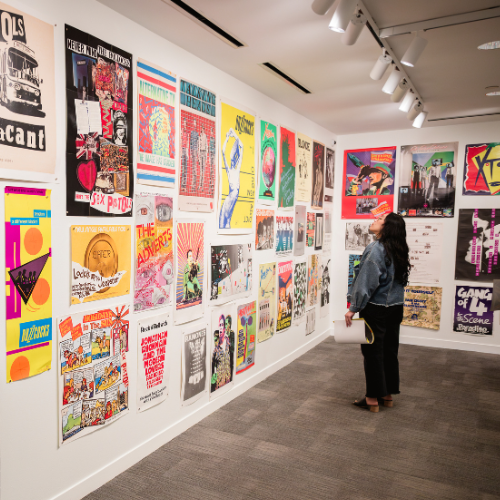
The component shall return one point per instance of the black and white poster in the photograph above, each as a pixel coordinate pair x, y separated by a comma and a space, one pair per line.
358, 236
194, 364
300, 230
329, 175
324, 272
310, 321
299, 291
318, 233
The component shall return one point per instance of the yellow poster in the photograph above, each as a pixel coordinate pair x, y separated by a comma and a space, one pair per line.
100, 262
28, 274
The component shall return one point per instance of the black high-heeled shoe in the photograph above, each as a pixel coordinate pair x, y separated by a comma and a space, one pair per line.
363, 404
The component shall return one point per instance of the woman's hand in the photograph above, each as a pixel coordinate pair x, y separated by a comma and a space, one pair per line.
348, 318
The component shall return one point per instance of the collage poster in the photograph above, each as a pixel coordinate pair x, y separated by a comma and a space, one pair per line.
310, 228
325, 286
99, 103
311, 321
358, 236
285, 295
93, 382
266, 301
27, 97
153, 364
198, 141
482, 169
154, 251
478, 246
194, 364
312, 280
368, 182
428, 180
422, 307
287, 168
264, 229
28, 288
100, 264
473, 314
299, 233
268, 161
236, 171
318, 234
329, 175
156, 122
304, 168
327, 233
246, 342
299, 292
284, 235
318, 176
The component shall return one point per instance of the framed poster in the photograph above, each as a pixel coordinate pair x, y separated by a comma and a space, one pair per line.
311, 321
266, 301
285, 295
318, 180
267, 163
304, 167
264, 229
287, 168
482, 169
327, 233
329, 175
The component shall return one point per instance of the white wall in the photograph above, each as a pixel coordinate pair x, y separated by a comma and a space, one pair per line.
32, 465
464, 134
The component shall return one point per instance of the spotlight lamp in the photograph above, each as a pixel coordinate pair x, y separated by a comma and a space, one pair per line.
407, 101
400, 91
381, 66
392, 82
321, 7
354, 29
414, 51
415, 111
342, 15
420, 119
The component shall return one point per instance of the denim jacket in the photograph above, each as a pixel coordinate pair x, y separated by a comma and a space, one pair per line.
374, 281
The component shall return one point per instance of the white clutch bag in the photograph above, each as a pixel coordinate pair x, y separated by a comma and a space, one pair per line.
358, 333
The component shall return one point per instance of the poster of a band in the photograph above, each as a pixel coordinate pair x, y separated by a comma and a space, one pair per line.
264, 229
482, 169
247, 338
473, 313
422, 307
284, 235
325, 285
358, 236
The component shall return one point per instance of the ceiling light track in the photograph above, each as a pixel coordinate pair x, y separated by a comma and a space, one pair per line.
288, 79
465, 116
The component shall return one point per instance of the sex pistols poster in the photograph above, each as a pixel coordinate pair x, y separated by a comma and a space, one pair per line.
198, 148
368, 181
329, 175
299, 292
27, 97
428, 180
285, 295
237, 171
93, 381
267, 301
304, 167
154, 251
28, 265
284, 235
99, 101
264, 229
245, 350
100, 267
268, 161
318, 179
472, 310
156, 122
482, 169
287, 168
478, 245
194, 364
312, 280
422, 307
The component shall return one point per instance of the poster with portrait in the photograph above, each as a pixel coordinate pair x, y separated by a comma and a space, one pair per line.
368, 181
264, 229
198, 148
310, 228
286, 194
299, 291
318, 233
478, 245
329, 175
99, 104
27, 97
422, 307
100, 262
310, 321
358, 236
299, 232
304, 168
428, 180
318, 176
482, 169
247, 338
267, 163
194, 366
236, 171
473, 314
312, 279
284, 235
285, 296
327, 233
266, 301
324, 272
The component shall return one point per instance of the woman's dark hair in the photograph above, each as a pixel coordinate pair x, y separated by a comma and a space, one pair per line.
393, 237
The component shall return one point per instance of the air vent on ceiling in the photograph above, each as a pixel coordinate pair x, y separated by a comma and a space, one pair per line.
288, 79
458, 117
200, 19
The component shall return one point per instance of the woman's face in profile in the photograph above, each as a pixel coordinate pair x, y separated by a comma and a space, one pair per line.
377, 225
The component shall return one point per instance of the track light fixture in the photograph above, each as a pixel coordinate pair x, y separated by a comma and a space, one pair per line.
407, 101
354, 29
400, 91
420, 119
414, 51
380, 66
321, 7
342, 15
415, 111
392, 82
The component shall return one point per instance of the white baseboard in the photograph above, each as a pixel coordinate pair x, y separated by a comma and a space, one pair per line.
451, 344
101, 476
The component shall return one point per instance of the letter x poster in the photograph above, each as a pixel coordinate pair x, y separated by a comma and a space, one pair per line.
99, 151
482, 169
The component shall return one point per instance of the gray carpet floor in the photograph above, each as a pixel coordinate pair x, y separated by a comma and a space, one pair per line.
296, 435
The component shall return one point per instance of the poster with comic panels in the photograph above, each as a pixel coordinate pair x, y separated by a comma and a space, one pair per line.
325, 285
285, 295
482, 169
310, 229
194, 364
329, 175
99, 104
267, 164
266, 302
198, 155
312, 280
299, 292
422, 307
284, 235
318, 176
287, 168
93, 374
247, 338
368, 182
473, 314
264, 229
304, 167
236, 171
156, 155
299, 232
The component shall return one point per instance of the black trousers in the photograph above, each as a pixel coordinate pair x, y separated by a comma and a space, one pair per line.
381, 358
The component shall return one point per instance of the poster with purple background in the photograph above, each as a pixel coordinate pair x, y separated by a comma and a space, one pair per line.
472, 310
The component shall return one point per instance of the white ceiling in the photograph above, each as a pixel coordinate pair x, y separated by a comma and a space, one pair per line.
450, 76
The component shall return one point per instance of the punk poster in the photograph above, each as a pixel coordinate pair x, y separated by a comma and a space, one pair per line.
156, 125
368, 181
312, 280
247, 338
358, 236
190, 255
28, 287
428, 180
100, 267
324, 272
327, 233
310, 321
299, 232
286, 194
318, 233
422, 307
231, 272
99, 104
285, 295
93, 381
154, 251
299, 292
153, 366
318, 176
267, 164
472, 310
236, 171
354, 261
284, 235
27, 97
478, 245
329, 175
266, 302
482, 169
222, 353
194, 364
310, 228
198, 155
264, 229
304, 168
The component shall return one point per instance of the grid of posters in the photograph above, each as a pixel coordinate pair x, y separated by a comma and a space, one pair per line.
268, 161
358, 236
284, 235
28, 287
318, 234
428, 180
318, 176
312, 280
422, 307
304, 167
299, 292
194, 364
325, 286
247, 338
266, 301
300, 230
285, 295
100, 267
286, 194
99, 102
93, 381
311, 321
310, 228
473, 314
264, 229
156, 125
154, 251
198, 141
329, 175
482, 169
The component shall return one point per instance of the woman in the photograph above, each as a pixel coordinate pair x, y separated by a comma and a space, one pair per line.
377, 293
